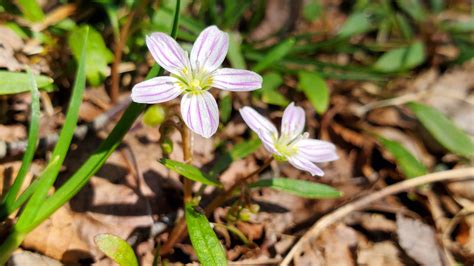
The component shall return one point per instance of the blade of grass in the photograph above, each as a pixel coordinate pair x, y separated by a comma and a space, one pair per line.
33, 132
61, 148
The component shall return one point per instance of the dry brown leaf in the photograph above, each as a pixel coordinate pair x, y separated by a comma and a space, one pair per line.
26, 258
9, 43
418, 241
380, 254
58, 238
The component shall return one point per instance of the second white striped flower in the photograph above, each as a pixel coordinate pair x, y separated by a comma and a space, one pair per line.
193, 77
292, 144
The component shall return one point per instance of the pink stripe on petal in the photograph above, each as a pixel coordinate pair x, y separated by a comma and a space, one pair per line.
167, 52
304, 164
200, 113
232, 79
156, 90
293, 121
209, 49
256, 122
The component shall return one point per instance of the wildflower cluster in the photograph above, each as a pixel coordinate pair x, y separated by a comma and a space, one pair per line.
193, 76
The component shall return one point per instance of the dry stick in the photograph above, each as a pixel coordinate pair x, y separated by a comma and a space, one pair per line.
114, 88
179, 232
342, 212
18, 147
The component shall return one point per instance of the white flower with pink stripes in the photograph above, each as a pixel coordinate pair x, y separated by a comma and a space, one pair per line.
292, 145
193, 76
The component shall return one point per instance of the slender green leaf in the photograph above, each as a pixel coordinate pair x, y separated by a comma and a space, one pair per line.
408, 164
235, 56
443, 129
61, 148
356, 23
315, 89
117, 249
31, 9
190, 172
17, 82
205, 242
299, 188
401, 59
275, 55
33, 132
269, 91
414, 8
98, 55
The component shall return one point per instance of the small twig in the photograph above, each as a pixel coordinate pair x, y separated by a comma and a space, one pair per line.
342, 212
114, 88
18, 147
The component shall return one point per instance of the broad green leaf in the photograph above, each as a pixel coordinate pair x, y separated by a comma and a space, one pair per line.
270, 93
17, 82
31, 9
356, 23
244, 149
234, 55
275, 55
401, 59
98, 55
312, 10
299, 188
205, 242
315, 89
190, 172
33, 132
117, 249
408, 164
443, 130
414, 8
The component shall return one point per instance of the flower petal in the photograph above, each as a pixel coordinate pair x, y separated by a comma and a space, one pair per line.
305, 165
156, 90
293, 121
167, 52
317, 151
267, 141
257, 122
210, 49
200, 113
232, 79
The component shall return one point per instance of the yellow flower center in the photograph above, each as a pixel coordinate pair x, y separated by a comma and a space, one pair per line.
285, 147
